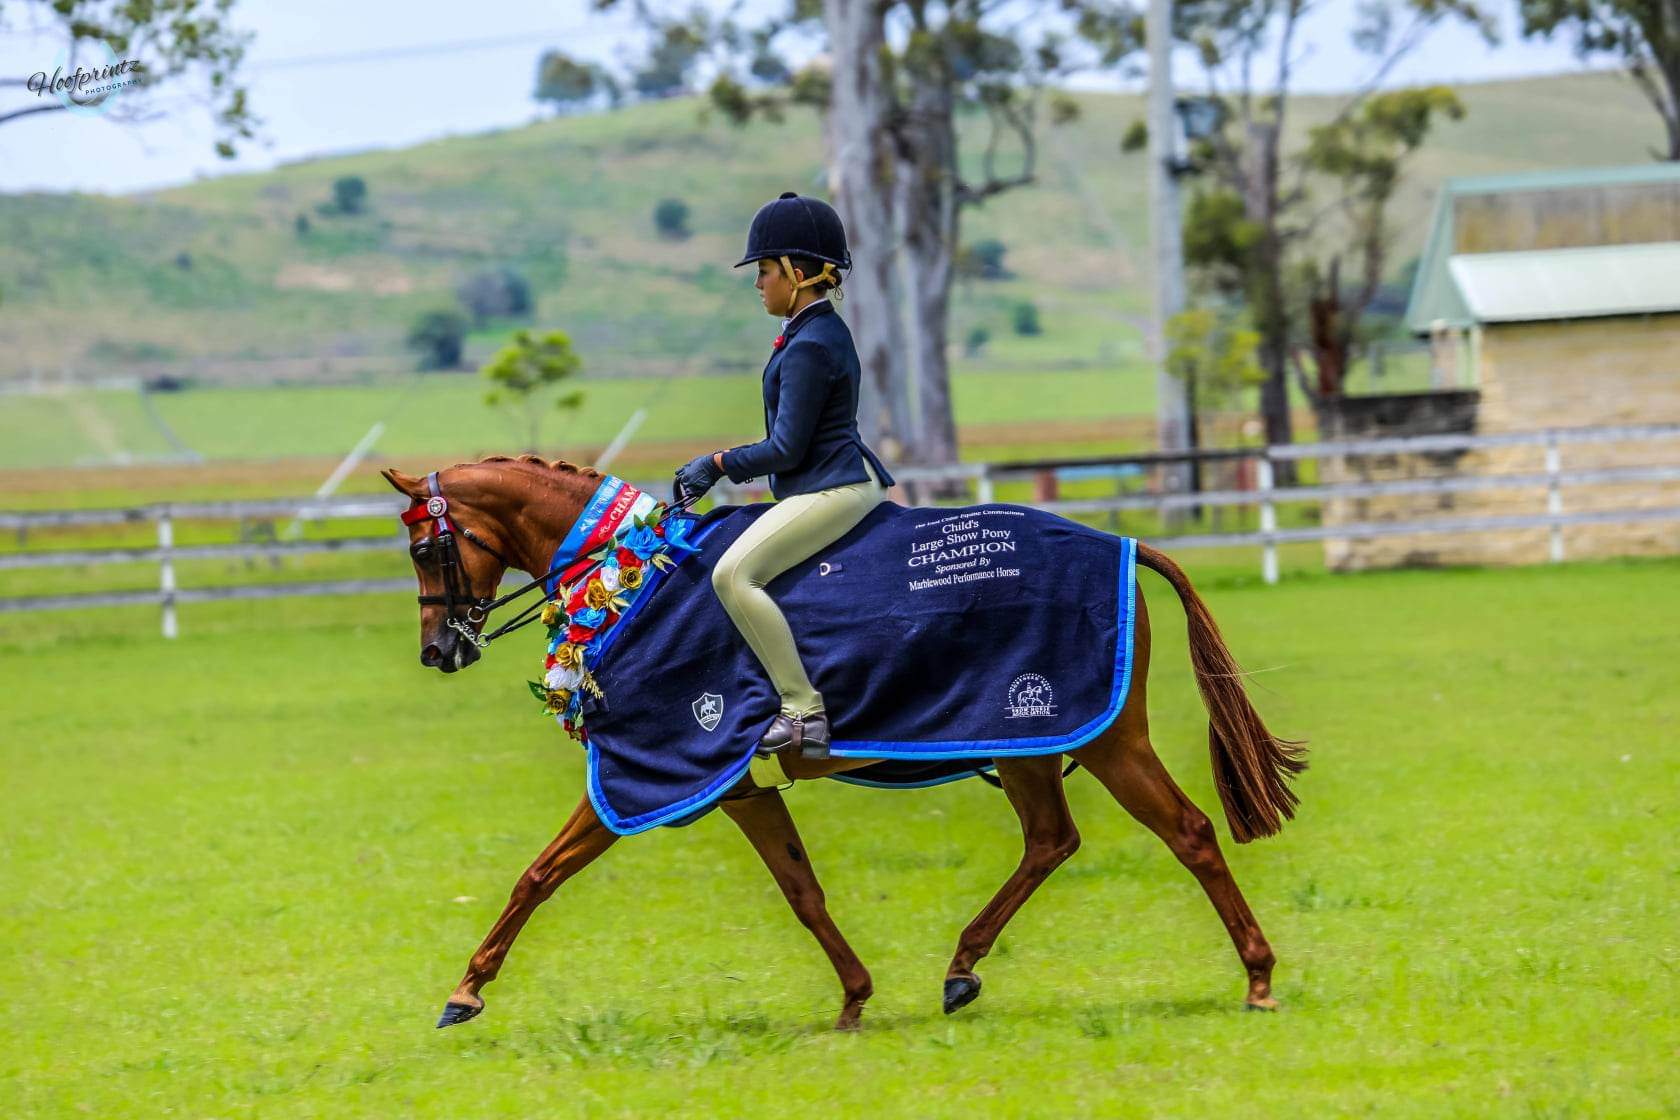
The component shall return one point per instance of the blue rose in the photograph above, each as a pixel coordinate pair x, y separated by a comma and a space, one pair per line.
643, 541
590, 616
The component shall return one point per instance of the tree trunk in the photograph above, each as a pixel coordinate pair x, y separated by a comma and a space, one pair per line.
1331, 340
927, 174
1266, 297
860, 175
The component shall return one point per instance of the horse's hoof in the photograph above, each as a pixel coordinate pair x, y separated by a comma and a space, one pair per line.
960, 991
1267, 1004
454, 1013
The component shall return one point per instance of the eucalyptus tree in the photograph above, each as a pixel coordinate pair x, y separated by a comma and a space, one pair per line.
1643, 34
896, 80
1253, 217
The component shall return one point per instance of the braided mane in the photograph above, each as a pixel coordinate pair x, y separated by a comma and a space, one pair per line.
538, 461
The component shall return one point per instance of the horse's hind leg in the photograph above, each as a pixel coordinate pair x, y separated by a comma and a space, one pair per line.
1124, 761
1034, 788
581, 839
764, 818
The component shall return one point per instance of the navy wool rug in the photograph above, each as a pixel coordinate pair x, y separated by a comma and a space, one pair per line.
940, 638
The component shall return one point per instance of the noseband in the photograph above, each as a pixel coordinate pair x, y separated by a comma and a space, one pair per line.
457, 589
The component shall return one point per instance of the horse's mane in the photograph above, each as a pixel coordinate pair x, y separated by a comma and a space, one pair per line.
560, 465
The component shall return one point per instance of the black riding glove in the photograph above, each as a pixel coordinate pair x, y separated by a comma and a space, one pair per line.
695, 477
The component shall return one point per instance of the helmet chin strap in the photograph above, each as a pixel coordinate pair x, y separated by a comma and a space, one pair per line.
827, 273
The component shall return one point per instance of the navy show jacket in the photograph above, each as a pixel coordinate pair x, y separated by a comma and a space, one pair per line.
810, 411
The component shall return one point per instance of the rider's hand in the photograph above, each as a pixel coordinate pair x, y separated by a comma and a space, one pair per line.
695, 477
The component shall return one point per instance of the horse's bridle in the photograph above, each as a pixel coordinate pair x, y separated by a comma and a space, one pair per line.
457, 589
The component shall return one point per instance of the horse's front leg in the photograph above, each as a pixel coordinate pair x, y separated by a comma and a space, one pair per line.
764, 818
582, 839
1034, 789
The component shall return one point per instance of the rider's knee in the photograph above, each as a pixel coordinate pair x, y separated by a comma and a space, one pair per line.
724, 573
734, 574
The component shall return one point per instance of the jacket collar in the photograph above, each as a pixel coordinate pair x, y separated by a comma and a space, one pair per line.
805, 314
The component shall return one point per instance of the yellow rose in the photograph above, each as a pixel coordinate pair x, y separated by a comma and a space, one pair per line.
569, 655
630, 578
596, 594
552, 613
558, 701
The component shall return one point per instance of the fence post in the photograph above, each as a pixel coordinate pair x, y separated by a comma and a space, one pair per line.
986, 491
1268, 520
166, 572
1554, 495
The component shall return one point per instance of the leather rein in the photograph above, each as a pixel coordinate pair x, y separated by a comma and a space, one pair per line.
457, 588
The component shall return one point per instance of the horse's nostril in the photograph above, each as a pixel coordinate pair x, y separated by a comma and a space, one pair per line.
431, 657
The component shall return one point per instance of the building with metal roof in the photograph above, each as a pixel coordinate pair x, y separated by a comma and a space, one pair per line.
1521, 241
1551, 300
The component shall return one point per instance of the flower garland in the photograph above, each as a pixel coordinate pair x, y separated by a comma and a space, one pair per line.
583, 611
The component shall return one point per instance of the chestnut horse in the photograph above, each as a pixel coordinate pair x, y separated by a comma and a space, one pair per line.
515, 511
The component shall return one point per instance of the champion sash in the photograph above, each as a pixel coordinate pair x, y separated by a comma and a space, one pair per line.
614, 502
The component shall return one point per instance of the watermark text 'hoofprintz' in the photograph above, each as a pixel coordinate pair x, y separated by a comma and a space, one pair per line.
83, 90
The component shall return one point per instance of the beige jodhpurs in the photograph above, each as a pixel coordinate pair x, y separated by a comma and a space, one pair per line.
791, 530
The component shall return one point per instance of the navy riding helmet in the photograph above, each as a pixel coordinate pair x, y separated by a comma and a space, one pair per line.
794, 226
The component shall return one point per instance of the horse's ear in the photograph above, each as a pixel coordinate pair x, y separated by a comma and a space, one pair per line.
404, 484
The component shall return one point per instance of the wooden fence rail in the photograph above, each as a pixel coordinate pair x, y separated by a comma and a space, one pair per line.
983, 477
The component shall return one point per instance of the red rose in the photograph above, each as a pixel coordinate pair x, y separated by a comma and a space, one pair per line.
575, 601
579, 634
550, 661
628, 559
659, 529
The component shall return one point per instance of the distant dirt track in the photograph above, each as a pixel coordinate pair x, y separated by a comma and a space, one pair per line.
295, 476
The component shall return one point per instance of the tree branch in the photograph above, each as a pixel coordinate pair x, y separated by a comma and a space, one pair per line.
1230, 162
1409, 40
1301, 378
12, 116
971, 195
1292, 15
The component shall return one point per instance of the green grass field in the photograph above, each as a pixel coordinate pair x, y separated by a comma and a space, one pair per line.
243, 870
447, 415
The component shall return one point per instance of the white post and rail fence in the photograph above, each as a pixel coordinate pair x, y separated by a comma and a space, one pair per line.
1265, 496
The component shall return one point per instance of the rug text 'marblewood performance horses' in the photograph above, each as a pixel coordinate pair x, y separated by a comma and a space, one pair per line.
962, 576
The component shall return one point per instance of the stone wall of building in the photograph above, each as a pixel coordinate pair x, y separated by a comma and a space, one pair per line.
1442, 412
1585, 372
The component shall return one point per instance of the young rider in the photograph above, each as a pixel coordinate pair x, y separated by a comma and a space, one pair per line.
824, 478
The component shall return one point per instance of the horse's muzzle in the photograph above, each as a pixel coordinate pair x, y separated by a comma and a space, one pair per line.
449, 652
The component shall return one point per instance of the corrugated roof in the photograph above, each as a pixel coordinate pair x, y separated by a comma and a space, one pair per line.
1434, 293
1574, 283
1561, 177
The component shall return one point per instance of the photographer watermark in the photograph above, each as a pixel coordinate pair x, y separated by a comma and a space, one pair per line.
88, 92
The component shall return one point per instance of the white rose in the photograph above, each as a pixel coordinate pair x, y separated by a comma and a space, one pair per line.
561, 677
609, 578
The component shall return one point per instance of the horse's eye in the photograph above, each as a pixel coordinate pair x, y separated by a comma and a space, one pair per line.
421, 552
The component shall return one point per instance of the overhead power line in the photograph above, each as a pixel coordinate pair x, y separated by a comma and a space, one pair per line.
529, 38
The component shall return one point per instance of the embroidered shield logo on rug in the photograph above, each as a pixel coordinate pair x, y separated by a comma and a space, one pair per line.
708, 710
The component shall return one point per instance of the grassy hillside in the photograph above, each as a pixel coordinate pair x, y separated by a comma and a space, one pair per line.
99, 285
